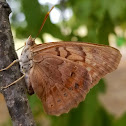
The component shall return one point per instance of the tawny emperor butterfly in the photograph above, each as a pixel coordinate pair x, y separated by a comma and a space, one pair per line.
62, 73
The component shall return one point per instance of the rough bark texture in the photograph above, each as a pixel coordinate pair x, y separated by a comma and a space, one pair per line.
15, 95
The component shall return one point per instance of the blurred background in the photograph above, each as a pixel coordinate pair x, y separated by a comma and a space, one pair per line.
95, 21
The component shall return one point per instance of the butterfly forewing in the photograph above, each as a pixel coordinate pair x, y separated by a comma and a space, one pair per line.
98, 59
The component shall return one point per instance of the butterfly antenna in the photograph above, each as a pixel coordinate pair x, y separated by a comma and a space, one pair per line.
43, 22
40, 27
20, 48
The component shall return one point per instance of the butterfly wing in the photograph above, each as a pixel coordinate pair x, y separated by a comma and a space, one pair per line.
98, 59
63, 73
60, 83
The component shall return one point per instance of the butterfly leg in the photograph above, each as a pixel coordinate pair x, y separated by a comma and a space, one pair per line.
15, 61
13, 82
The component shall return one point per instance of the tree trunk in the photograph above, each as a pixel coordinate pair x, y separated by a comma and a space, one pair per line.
15, 95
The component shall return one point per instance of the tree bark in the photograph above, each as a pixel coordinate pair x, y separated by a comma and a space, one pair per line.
15, 96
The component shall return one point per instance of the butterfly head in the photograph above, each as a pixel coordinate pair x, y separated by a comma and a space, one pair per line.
30, 41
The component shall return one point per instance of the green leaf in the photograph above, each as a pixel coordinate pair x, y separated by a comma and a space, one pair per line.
120, 41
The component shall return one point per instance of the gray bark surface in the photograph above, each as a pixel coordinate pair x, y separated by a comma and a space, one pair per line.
15, 96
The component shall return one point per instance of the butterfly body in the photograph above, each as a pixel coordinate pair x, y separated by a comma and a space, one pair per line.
26, 62
62, 73
26, 56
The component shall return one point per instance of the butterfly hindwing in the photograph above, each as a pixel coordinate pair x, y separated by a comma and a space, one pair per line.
60, 84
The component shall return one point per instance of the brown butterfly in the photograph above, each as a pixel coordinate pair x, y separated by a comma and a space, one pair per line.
62, 73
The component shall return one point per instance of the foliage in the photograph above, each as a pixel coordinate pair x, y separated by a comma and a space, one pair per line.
100, 17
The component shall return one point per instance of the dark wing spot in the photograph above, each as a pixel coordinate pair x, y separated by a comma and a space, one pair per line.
70, 88
83, 53
59, 100
57, 50
76, 86
54, 89
72, 74
68, 53
65, 94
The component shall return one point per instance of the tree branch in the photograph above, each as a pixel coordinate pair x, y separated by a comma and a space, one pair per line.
15, 95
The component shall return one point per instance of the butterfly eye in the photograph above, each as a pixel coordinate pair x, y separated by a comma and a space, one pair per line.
31, 42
